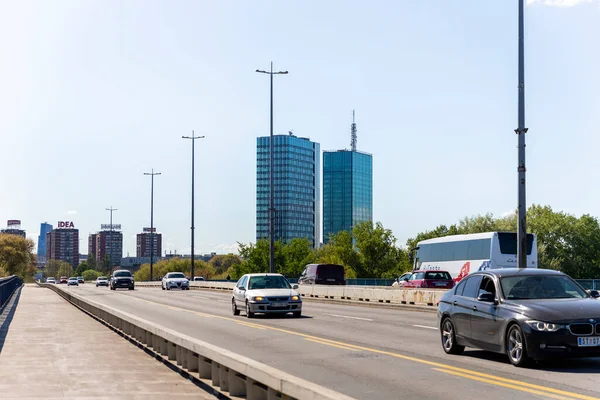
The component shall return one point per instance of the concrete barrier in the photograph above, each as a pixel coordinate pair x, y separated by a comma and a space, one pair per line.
231, 372
367, 294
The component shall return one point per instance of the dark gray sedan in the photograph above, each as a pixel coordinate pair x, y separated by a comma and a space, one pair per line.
524, 313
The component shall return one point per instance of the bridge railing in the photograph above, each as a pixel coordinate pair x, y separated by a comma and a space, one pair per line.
7, 288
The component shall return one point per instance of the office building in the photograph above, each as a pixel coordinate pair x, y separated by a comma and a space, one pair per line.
347, 188
296, 187
13, 227
143, 243
92, 248
45, 228
63, 244
109, 244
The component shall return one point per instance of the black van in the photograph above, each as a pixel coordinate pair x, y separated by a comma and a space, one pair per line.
323, 274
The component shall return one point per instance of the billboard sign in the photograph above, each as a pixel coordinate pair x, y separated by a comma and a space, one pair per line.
109, 227
66, 225
13, 222
149, 230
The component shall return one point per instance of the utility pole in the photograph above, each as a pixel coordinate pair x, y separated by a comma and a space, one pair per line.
193, 139
152, 174
521, 131
271, 201
110, 238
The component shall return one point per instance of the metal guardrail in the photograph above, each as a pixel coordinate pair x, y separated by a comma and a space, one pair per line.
7, 288
589, 284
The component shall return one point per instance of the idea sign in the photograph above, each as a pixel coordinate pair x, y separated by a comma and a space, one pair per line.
66, 224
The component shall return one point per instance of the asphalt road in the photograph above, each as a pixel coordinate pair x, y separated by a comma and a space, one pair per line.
365, 352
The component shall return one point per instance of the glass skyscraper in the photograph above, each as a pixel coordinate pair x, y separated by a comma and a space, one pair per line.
347, 190
296, 184
45, 228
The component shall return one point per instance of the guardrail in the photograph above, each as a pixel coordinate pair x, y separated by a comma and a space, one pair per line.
7, 288
388, 295
232, 373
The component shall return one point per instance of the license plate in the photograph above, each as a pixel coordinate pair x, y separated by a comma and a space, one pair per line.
588, 341
330, 279
439, 284
279, 304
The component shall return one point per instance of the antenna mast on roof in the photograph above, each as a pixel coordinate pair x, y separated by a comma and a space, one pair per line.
353, 137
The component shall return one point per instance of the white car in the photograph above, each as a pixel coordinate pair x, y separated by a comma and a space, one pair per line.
101, 281
51, 280
265, 294
175, 280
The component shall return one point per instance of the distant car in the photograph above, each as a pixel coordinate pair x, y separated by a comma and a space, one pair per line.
430, 280
101, 281
72, 281
121, 279
63, 279
51, 280
402, 279
80, 279
266, 294
198, 278
526, 313
175, 280
323, 274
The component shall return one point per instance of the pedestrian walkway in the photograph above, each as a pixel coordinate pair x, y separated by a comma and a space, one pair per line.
52, 350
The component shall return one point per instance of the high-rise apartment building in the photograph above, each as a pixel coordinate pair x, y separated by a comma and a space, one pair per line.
347, 188
296, 184
45, 228
63, 244
109, 244
13, 227
92, 245
143, 243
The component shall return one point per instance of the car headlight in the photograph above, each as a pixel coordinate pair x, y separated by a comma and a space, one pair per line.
295, 298
544, 326
258, 298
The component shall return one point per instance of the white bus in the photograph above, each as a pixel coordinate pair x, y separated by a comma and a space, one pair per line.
463, 254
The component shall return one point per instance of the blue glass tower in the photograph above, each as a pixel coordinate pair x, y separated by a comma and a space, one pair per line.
45, 228
296, 184
347, 190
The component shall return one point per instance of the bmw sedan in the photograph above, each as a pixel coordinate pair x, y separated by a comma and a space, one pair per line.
527, 314
265, 294
175, 280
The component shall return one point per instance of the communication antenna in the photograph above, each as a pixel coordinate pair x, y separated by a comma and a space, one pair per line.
353, 137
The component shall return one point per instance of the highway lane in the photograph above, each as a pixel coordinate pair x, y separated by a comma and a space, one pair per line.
365, 352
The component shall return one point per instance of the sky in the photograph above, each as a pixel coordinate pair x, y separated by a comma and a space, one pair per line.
95, 93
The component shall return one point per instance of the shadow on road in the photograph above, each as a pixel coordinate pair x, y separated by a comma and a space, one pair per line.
566, 365
285, 316
7, 316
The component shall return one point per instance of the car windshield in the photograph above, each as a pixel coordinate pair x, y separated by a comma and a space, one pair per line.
540, 287
176, 275
102, 278
122, 273
268, 282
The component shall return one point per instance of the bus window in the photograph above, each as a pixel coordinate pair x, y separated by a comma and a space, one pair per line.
508, 242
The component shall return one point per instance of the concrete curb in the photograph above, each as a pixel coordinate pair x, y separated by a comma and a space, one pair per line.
231, 372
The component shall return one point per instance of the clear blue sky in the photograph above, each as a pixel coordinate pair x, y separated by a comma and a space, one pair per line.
95, 93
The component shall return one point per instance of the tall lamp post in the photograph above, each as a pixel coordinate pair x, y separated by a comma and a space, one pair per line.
193, 139
271, 202
152, 174
110, 237
520, 131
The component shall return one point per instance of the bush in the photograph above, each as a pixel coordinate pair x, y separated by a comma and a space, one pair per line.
90, 275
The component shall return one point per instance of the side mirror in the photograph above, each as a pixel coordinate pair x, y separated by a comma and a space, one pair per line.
405, 279
242, 289
487, 297
594, 293
294, 286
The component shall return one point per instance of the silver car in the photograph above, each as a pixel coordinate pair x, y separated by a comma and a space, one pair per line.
175, 280
265, 294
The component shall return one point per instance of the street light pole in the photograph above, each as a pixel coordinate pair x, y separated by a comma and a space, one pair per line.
110, 238
152, 174
193, 139
271, 201
521, 130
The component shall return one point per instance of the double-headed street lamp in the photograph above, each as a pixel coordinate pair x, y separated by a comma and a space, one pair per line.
193, 139
521, 130
271, 202
152, 174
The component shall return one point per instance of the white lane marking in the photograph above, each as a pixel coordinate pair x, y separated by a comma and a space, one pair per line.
345, 316
426, 327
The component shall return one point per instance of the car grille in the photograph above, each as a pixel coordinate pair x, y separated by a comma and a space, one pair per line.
278, 298
582, 329
597, 329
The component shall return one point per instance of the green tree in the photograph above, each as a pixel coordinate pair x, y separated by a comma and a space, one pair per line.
223, 262
378, 254
90, 275
64, 269
16, 256
106, 264
296, 254
83, 266
91, 261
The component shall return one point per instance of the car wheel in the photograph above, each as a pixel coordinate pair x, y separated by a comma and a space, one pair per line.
297, 314
234, 308
515, 347
449, 338
131, 288
249, 314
